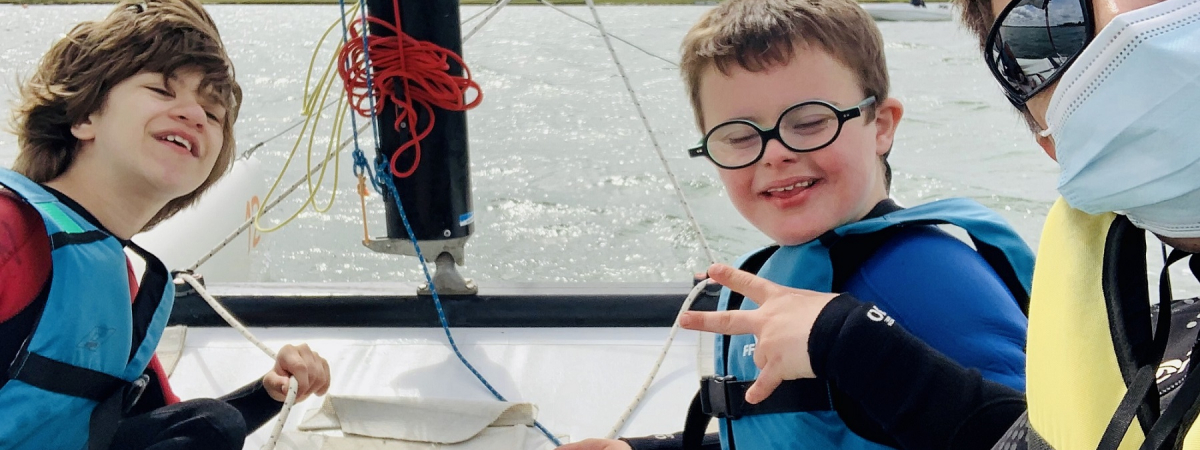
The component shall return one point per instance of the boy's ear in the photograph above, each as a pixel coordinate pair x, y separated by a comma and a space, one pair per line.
84, 131
887, 117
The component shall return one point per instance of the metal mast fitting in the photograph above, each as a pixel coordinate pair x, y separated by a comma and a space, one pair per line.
437, 194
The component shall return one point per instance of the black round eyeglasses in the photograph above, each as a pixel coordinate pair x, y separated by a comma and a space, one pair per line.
805, 127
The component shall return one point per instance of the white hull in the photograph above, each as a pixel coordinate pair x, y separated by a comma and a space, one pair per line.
580, 379
188, 236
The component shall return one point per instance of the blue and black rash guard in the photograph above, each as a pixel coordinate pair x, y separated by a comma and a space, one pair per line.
944, 293
959, 318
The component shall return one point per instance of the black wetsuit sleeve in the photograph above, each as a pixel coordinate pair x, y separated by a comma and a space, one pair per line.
255, 404
671, 442
252, 400
919, 397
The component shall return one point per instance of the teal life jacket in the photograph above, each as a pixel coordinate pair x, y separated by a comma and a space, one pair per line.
811, 266
68, 385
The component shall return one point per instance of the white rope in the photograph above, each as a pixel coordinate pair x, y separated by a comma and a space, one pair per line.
646, 122
647, 52
687, 304
246, 225
233, 322
480, 13
490, 15
250, 151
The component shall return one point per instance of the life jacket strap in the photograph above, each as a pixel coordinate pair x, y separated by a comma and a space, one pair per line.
725, 397
722, 397
106, 417
54, 376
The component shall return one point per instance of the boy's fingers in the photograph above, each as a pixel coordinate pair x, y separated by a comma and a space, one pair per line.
723, 322
766, 383
755, 289
328, 377
293, 364
274, 382
276, 385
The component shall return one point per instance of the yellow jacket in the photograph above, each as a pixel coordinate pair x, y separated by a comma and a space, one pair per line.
1074, 383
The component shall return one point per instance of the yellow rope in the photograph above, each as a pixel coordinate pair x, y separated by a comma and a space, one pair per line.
315, 100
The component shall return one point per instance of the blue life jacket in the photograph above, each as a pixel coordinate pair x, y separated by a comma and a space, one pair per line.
811, 266
89, 344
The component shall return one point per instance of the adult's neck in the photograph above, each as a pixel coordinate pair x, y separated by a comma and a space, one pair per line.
1190, 245
121, 208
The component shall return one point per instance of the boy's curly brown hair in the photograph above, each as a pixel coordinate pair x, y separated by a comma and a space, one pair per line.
75, 76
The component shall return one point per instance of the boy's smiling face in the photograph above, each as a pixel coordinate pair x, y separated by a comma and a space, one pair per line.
164, 135
831, 186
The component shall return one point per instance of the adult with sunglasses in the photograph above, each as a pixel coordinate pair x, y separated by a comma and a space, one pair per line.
1111, 88
1115, 104
792, 99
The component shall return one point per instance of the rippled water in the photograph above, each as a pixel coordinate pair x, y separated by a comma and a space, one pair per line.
566, 184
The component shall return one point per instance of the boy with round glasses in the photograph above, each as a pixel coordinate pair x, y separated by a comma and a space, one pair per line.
792, 98
1110, 88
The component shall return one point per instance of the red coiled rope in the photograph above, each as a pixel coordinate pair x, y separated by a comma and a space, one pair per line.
421, 67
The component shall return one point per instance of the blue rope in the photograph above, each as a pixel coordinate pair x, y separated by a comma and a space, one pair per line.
360, 159
382, 177
437, 302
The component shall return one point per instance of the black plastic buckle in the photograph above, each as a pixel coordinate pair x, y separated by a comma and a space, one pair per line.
133, 392
715, 396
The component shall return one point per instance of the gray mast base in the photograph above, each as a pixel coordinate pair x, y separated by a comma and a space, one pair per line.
449, 253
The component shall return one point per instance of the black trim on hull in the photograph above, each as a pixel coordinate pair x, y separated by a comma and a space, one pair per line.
520, 305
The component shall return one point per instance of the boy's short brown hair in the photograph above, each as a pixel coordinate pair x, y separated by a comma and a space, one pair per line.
759, 34
75, 76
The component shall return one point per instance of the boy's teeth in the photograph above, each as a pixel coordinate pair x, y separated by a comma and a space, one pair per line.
179, 140
802, 184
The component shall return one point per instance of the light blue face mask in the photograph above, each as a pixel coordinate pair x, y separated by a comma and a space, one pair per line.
1125, 118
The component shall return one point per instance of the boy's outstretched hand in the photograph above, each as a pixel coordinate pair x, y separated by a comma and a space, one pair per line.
596, 444
309, 368
781, 324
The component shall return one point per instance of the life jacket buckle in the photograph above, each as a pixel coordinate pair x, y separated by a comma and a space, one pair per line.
715, 396
133, 392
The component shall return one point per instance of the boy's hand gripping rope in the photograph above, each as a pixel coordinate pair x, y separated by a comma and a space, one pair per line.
233, 322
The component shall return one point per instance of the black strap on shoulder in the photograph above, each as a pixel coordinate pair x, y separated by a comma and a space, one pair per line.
1127, 301
848, 253
1127, 297
1179, 416
63, 239
149, 296
1140, 349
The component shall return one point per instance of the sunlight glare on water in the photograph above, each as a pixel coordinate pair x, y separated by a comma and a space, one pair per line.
566, 185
